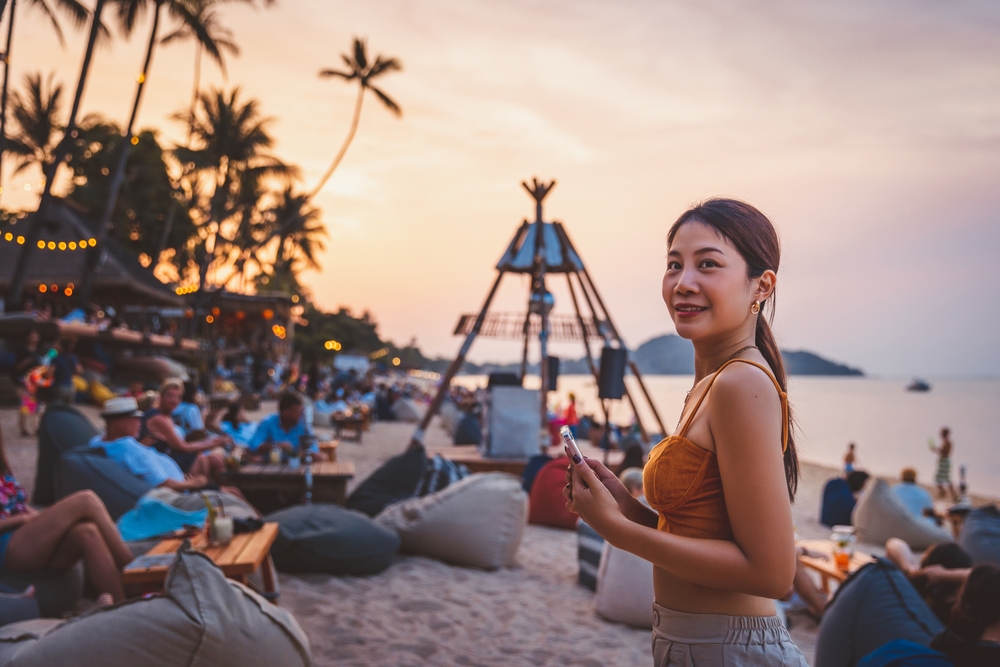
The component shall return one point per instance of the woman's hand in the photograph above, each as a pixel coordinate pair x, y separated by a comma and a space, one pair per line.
610, 481
587, 496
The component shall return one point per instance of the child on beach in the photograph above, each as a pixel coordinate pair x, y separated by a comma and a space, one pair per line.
719, 533
943, 475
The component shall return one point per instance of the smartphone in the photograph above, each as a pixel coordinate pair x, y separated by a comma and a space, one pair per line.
570, 442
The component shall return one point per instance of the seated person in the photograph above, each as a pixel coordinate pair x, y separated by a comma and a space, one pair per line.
236, 425
839, 497
284, 429
940, 595
187, 414
122, 419
159, 432
632, 479
78, 526
918, 501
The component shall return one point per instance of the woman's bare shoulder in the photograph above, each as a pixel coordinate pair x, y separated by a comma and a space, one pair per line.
740, 387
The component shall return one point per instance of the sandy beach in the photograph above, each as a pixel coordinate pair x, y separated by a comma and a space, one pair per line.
423, 612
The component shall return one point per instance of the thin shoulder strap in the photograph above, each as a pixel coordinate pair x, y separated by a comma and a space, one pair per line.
781, 395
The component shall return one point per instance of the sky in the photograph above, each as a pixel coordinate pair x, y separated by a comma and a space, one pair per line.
869, 133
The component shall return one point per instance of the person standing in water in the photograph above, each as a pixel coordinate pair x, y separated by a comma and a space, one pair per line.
719, 533
850, 459
943, 475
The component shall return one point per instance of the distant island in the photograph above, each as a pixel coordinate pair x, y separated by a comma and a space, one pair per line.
672, 355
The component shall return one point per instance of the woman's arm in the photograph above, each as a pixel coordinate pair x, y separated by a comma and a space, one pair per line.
630, 506
190, 483
15, 521
163, 428
745, 425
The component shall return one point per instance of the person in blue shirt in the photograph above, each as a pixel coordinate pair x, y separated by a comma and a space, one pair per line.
236, 425
918, 501
284, 429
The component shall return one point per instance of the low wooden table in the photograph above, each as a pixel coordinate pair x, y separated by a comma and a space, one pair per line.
247, 553
827, 569
356, 424
469, 456
273, 486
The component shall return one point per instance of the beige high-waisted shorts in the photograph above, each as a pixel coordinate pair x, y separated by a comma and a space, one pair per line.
707, 640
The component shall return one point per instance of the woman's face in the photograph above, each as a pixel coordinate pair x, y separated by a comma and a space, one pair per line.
706, 288
170, 399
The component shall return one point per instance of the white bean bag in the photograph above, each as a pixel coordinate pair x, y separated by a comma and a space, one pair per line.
449, 415
202, 620
407, 410
625, 588
880, 515
477, 521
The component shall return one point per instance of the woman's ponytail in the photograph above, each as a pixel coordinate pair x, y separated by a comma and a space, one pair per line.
768, 347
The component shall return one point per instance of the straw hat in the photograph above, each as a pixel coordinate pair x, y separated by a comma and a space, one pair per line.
124, 406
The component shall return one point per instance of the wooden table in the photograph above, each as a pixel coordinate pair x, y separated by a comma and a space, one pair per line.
356, 424
469, 456
273, 486
827, 569
247, 553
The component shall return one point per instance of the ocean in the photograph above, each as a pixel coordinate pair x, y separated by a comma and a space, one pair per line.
890, 425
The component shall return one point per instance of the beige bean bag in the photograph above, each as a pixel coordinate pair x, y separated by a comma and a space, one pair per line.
624, 588
477, 521
880, 515
449, 416
202, 620
407, 410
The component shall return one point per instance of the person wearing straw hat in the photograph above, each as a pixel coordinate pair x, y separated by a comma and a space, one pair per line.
119, 442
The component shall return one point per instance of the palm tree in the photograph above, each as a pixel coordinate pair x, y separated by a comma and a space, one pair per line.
36, 115
360, 70
299, 234
77, 13
230, 142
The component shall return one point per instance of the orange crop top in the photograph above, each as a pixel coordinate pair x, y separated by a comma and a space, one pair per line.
682, 482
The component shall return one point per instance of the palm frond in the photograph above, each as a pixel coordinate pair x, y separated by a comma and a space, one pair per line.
387, 101
330, 73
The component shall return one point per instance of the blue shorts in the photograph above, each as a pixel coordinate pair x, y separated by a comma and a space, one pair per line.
4, 540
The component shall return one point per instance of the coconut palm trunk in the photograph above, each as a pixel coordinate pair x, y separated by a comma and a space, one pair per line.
118, 177
17, 281
347, 142
6, 77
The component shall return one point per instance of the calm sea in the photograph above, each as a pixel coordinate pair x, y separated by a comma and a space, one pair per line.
891, 426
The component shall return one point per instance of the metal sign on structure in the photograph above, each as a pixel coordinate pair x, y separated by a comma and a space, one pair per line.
540, 248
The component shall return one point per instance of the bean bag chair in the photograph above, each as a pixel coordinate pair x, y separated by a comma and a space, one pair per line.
531, 468
981, 535
201, 620
904, 653
478, 521
875, 605
193, 501
13, 608
880, 515
329, 538
395, 480
588, 552
407, 410
89, 468
548, 506
838, 503
61, 428
625, 588
468, 431
449, 415
57, 592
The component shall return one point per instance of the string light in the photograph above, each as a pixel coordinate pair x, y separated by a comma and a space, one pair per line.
209, 319
395, 361
333, 345
51, 245
426, 375
378, 354
279, 331
188, 289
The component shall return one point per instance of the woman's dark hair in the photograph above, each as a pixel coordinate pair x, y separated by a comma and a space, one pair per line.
754, 237
978, 605
232, 412
633, 459
856, 480
289, 399
941, 597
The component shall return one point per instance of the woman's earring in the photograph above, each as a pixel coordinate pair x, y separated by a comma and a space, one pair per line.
755, 308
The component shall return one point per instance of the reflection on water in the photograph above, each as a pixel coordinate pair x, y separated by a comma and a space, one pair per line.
890, 425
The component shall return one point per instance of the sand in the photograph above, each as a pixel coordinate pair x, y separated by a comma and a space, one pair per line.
423, 612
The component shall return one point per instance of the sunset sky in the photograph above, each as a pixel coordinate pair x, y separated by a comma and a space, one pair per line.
868, 132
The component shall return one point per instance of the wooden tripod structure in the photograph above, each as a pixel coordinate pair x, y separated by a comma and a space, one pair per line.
541, 249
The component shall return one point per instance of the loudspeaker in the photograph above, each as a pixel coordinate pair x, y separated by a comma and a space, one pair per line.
612, 378
553, 373
504, 380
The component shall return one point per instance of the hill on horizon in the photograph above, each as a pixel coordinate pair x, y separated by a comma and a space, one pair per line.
670, 354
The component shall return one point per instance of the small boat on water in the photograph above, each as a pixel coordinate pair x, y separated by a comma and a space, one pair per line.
918, 385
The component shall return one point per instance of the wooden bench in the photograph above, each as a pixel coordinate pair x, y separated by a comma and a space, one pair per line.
247, 553
356, 425
827, 568
273, 486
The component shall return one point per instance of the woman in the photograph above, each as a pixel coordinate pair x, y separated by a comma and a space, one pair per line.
159, 431
942, 476
78, 526
236, 425
720, 531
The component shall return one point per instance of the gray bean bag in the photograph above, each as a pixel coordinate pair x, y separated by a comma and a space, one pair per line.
14, 608
57, 592
395, 480
89, 468
330, 538
61, 428
981, 535
202, 620
477, 521
880, 515
876, 604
